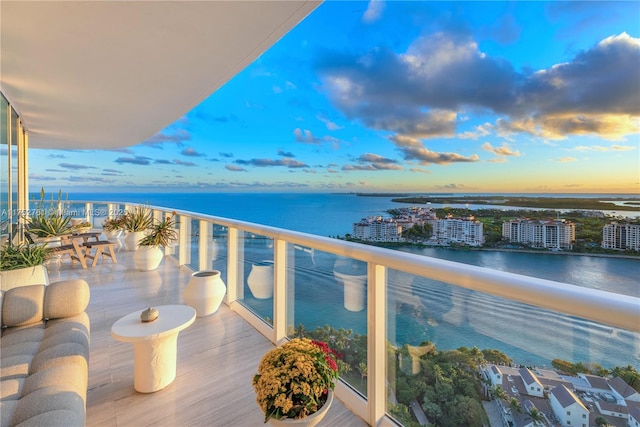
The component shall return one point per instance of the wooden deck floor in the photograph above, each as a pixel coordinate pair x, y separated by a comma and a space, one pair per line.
217, 355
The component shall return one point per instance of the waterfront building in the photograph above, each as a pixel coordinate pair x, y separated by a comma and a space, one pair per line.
543, 234
378, 229
621, 236
466, 231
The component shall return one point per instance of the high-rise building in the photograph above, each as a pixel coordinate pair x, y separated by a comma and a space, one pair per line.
547, 234
621, 236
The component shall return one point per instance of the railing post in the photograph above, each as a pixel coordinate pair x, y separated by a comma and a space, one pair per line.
203, 245
377, 342
184, 251
280, 290
233, 260
88, 213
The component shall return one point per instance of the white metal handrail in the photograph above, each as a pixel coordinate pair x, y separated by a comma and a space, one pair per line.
608, 308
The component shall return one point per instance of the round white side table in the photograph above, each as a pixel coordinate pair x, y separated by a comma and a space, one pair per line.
155, 344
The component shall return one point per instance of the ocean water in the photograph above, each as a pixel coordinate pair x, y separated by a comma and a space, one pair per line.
423, 309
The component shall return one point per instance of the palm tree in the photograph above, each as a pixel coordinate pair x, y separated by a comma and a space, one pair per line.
497, 392
515, 406
535, 416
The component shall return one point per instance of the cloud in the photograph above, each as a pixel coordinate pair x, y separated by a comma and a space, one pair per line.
420, 170
119, 150
75, 166
233, 168
90, 179
373, 162
285, 153
183, 163
162, 161
56, 156
413, 149
505, 150
287, 162
454, 187
603, 149
479, 131
227, 155
191, 152
111, 172
330, 125
497, 160
287, 86
422, 92
373, 12
305, 136
38, 177
567, 159
160, 138
136, 160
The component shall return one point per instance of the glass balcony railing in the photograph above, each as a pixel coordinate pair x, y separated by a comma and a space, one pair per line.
384, 309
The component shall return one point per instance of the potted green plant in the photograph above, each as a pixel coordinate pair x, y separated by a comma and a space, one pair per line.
159, 234
48, 220
113, 226
81, 227
136, 223
295, 381
22, 265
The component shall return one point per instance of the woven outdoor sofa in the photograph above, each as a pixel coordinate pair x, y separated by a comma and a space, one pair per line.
44, 354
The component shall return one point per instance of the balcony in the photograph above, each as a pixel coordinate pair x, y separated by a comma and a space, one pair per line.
377, 293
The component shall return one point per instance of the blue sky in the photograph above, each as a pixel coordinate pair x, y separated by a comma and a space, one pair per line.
405, 97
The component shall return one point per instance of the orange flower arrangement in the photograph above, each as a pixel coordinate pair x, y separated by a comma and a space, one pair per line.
293, 380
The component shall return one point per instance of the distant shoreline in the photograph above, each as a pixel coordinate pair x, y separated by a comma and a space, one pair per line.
396, 245
566, 203
532, 251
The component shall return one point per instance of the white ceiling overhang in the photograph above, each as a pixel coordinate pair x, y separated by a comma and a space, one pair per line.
112, 74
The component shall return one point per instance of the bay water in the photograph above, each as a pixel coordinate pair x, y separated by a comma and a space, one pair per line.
426, 310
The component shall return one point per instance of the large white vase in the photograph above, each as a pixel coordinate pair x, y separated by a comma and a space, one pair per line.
132, 240
23, 277
148, 257
353, 277
204, 292
260, 280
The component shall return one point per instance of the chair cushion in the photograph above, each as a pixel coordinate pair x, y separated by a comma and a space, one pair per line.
46, 401
66, 298
11, 389
70, 377
15, 366
60, 355
22, 305
7, 409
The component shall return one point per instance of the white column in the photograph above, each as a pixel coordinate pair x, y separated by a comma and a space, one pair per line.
377, 343
204, 240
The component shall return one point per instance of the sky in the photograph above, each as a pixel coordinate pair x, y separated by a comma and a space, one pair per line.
454, 97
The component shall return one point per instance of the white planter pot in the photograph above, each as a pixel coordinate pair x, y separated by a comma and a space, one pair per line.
310, 421
204, 292
353, 277
260, 280
148, 257
132, 240
23, 277
112, 235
